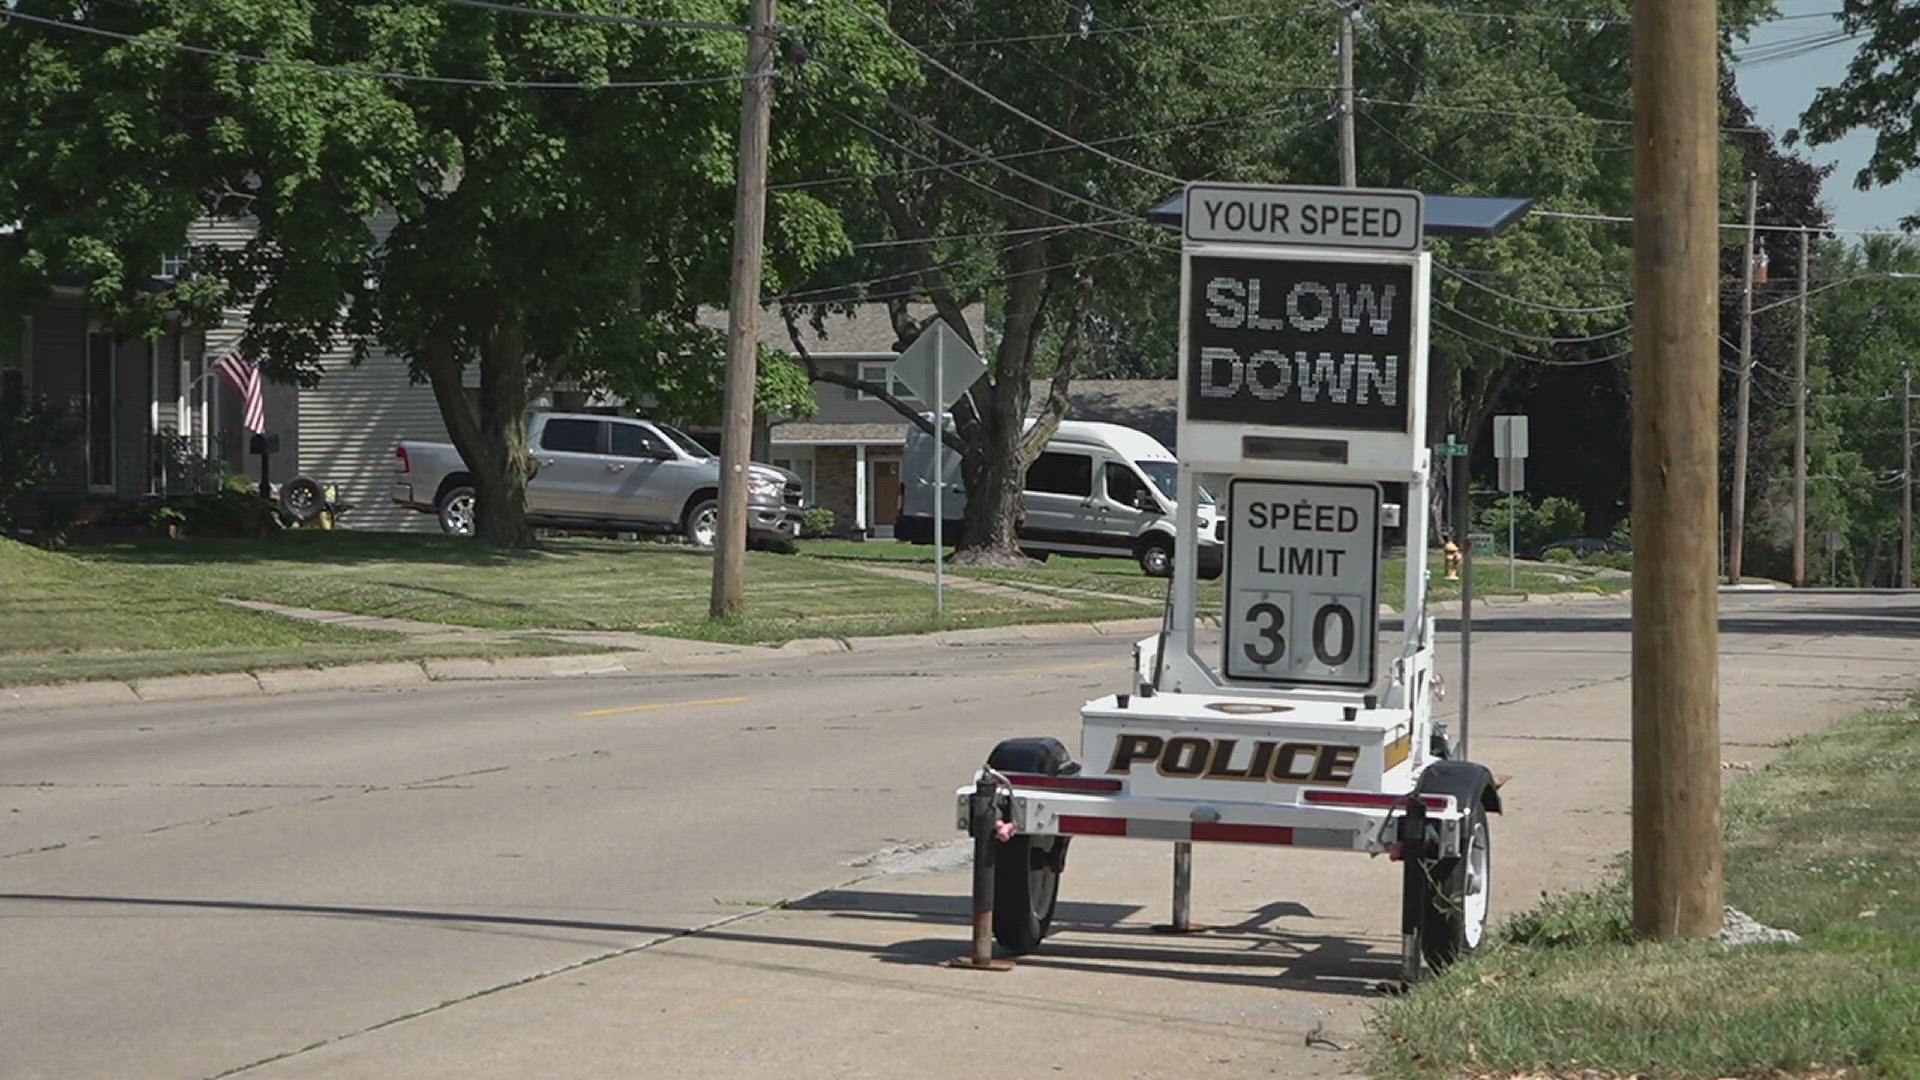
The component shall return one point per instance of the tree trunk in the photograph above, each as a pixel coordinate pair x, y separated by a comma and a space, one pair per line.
493, 443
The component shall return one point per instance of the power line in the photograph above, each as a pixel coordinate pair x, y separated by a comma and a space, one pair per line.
1535, 338
1130, 220
1618, 219
1509, 298
1008, 106
598, 17
1463, 335
1516, 114
1019, 154
334, 69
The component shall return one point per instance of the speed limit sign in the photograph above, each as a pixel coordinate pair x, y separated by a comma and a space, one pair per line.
1303, 581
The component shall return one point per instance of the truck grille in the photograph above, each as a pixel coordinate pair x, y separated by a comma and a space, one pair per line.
791, 495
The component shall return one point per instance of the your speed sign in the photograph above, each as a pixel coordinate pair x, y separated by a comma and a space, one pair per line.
1303, 579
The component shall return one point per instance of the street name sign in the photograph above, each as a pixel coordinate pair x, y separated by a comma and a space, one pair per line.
1303, 582
1316, 217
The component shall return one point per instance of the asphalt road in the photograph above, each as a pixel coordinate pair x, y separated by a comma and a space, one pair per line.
752, 871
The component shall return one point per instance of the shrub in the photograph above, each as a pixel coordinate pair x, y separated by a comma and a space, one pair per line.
815, 522
1558, 555
1617, 560
31, 429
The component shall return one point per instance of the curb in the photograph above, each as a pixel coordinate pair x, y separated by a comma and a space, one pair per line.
273, 682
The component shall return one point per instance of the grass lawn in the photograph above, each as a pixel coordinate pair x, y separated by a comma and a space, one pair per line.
1819, 842
63, 619
1123, 576
582, 584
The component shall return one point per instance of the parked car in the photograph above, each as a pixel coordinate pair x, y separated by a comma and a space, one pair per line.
1096, 489
1581, 546
605, 472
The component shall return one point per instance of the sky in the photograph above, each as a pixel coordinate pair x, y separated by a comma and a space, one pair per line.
1788, 61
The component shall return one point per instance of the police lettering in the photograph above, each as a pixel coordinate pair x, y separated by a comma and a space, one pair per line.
1194, 757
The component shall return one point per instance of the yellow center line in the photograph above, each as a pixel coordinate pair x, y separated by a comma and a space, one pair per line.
1063, 667
663, 705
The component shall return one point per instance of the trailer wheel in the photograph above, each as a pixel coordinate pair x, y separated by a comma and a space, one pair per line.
1455, 919
1026, 887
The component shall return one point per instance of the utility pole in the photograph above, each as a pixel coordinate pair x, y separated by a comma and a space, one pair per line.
1349, 176
743, 315
1800, 426
1906, 476
1677, 884
1737, 524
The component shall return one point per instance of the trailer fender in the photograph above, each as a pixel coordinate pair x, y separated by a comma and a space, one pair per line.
1469, 782
1043, 755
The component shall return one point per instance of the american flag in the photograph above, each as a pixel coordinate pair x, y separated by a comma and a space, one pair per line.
245, 378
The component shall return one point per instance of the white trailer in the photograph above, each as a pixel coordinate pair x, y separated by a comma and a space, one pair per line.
1304, 337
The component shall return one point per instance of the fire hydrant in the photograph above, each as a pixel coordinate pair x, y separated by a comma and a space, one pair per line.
1451, 551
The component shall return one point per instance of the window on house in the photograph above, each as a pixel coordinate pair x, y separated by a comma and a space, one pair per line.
882, 374
100, 394
803, 467
172, 266
1061, 474
571, 436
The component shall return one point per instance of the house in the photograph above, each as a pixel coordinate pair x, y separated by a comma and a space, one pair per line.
848, 453
152, 415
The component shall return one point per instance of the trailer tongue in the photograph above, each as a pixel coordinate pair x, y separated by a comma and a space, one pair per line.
1304, 382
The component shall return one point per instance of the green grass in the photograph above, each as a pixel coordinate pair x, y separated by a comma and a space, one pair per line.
64, 619
1122, 577
577, 584
1820, 842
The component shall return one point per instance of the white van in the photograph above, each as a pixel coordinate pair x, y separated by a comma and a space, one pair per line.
1096, 489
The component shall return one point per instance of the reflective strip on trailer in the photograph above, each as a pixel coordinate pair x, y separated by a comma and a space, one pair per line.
1221, 832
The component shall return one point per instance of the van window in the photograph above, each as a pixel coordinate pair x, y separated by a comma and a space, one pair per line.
1124, 486
1061, 474
571, 436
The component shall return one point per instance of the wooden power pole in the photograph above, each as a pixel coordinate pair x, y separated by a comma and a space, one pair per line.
1349, 174
1677, 886
743, 315
1800, 425
1737, 510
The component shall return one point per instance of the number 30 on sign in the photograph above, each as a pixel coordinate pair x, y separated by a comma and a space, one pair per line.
1303, 572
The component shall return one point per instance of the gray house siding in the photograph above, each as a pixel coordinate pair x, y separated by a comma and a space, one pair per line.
349, 424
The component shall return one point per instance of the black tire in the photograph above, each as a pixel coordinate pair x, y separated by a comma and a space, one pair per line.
455, 507
302, 499
701, 525
1155, 555
1454, 923
1026, 888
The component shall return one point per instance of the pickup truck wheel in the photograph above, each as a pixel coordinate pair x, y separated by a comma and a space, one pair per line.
1156, 556
456, 511
702, 523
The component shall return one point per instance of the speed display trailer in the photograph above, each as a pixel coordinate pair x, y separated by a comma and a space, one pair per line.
1304, 373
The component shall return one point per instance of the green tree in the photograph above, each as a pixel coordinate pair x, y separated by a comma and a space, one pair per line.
1014, 171
1878, 93
538, 198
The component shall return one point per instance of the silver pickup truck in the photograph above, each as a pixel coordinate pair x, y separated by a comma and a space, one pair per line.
605, 472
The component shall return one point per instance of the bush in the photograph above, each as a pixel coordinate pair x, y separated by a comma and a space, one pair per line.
1557, 555
816, 522
31, 429
1616, 560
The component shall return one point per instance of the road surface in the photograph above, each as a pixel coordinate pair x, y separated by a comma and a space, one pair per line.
752, 871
